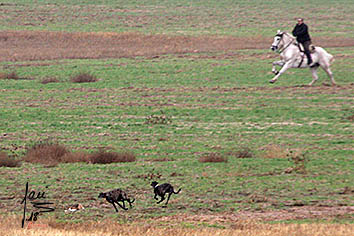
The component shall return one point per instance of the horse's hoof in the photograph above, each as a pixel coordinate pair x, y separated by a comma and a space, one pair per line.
271, 81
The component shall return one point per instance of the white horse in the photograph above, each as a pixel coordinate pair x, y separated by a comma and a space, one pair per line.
291, 57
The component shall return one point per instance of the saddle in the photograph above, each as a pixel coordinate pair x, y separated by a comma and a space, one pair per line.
301, 47
302, 51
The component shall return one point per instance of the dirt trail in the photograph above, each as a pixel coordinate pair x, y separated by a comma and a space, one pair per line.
42, 45
293, 213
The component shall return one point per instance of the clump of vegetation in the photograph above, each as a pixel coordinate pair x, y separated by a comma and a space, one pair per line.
104, 157
151, 175
299, 159
45, 153
9, 75
162, 119
7, 161
275, 151
49, 80
244, 152
51, 154
72, 157
212, 157
83, 78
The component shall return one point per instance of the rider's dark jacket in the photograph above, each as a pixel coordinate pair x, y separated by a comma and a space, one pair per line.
301, 33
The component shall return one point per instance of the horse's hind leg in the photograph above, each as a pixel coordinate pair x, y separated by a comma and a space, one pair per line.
314, 75
330, 74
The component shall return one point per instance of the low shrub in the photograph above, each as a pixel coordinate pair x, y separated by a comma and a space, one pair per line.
244, 152
212, 157
104, 157
72, 157
7, 161
45, 153
10, 75
49, 80
83, 78
275, 151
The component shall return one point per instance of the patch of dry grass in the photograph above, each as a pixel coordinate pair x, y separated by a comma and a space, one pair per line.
9, 75
49, 80
72, 157
243, 152
299, 159
212, 157
6, 161
158, 119
104, 157
45, 153
275, 151
51, 154
23, 45
83, 77
11, 226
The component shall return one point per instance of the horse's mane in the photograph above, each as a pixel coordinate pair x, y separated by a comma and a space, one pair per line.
288, 34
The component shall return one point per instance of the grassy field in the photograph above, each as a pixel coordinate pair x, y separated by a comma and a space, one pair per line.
224, 17
208, 85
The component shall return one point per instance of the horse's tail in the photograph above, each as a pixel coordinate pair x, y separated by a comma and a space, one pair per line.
331, 59
326, 57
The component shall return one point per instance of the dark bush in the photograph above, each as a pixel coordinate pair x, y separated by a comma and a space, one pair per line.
46, 153
72, 157
104, 157
83, 78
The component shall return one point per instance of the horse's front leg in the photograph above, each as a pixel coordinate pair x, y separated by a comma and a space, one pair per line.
277, 63
286, 66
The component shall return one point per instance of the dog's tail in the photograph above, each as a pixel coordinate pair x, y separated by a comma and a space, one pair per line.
131, 201
179, 190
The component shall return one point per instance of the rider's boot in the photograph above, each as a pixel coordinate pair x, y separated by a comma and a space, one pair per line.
309, 59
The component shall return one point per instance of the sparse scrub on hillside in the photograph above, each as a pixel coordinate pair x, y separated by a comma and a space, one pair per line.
7, 161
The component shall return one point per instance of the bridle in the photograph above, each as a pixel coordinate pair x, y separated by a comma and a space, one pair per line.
281, 36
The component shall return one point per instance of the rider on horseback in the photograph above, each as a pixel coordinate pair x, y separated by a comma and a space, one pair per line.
302, 36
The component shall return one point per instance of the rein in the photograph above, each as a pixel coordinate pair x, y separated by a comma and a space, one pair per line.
282, 50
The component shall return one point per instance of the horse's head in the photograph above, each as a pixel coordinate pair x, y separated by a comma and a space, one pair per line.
277, 42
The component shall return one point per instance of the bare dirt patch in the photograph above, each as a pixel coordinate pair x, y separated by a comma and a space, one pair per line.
42, 45
292, 213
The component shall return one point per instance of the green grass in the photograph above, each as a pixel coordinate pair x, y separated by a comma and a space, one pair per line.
180, 16
215, 106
